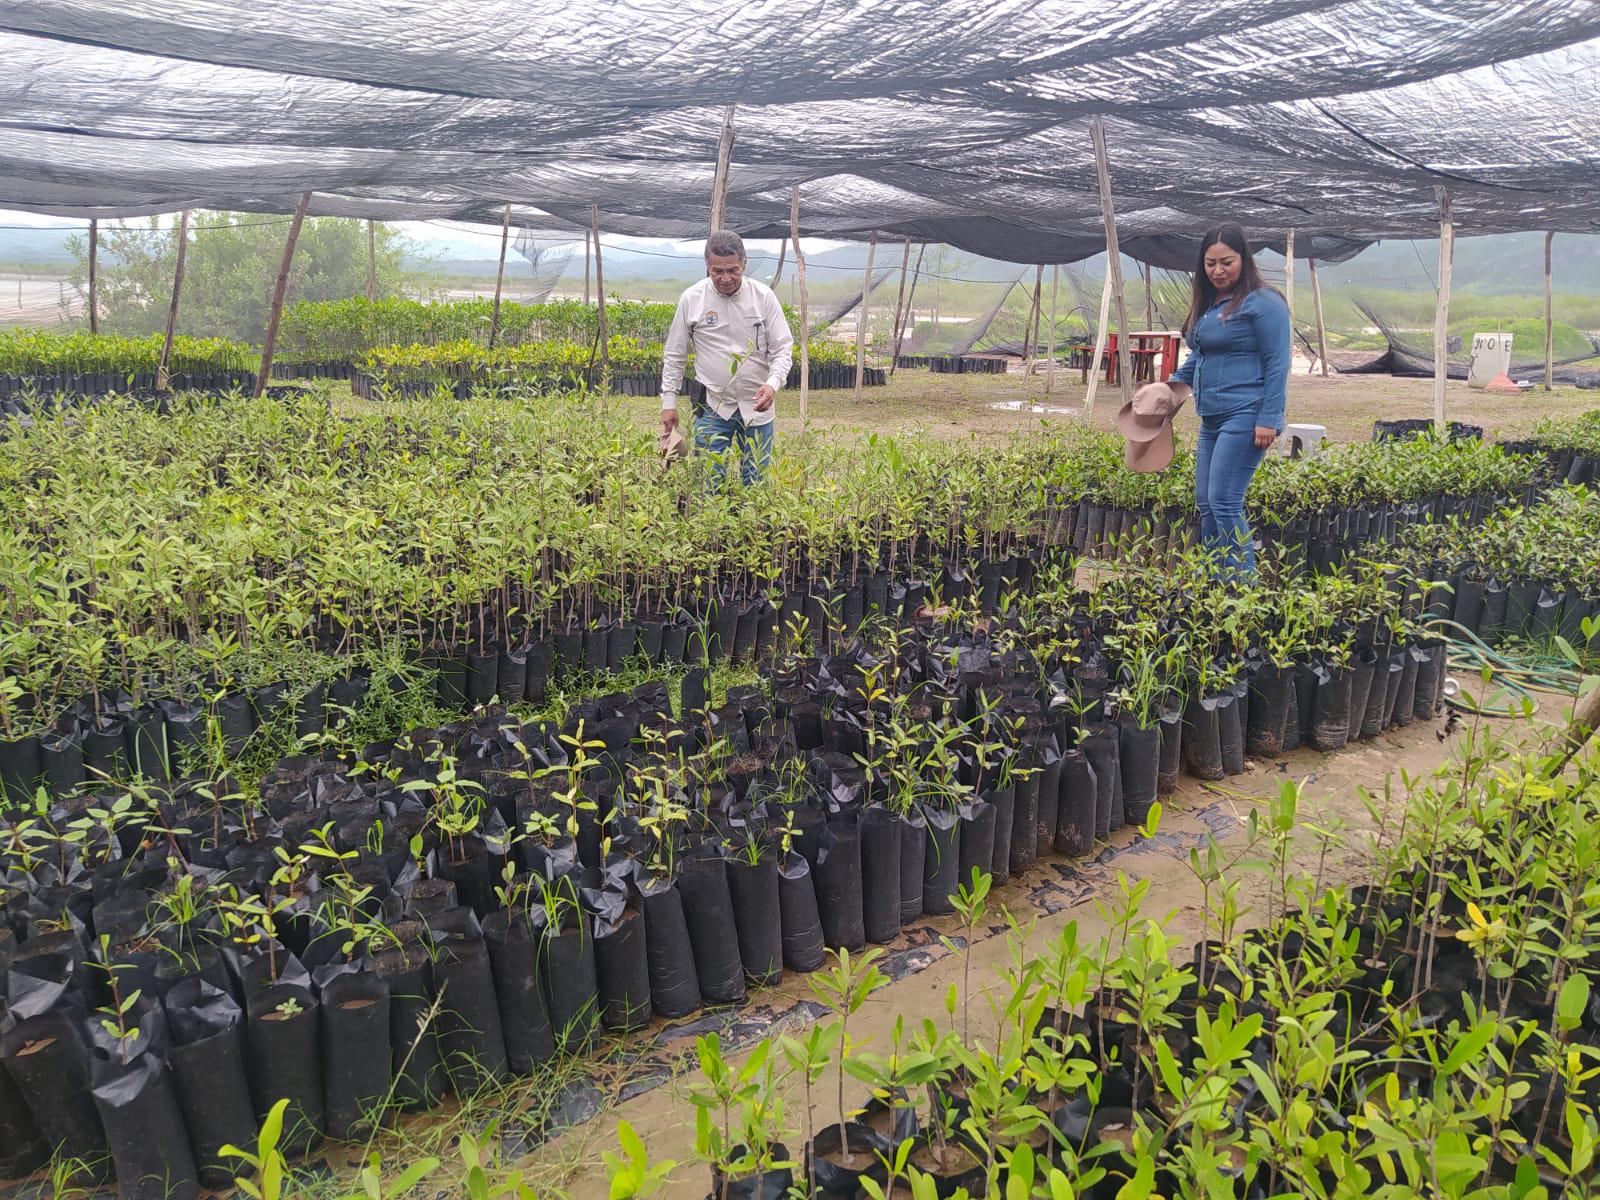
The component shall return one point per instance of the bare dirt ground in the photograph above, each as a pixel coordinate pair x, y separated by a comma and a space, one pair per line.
1334, 840
962, 405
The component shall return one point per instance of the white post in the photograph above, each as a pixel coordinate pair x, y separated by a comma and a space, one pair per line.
805, 310
719, 181
1549, 318
1288, 283
1102, 165
861, 315
1050, 352
600, 295
1099, 344
94, 257
899, 304
1322, 330
1441, 317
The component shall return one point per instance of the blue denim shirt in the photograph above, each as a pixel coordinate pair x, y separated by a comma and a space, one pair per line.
1242, 362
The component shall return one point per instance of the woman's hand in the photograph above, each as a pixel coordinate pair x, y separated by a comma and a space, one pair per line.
1265, 437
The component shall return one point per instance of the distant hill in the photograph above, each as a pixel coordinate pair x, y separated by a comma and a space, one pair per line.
1506, 264
1502, 265
43, 247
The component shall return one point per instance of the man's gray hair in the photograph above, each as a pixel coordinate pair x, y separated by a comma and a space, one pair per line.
723, 243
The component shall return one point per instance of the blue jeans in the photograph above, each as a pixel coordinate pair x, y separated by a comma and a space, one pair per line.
1225, 460
751, 445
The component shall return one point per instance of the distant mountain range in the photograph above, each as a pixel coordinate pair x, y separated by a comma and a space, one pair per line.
43, 247
1507, 264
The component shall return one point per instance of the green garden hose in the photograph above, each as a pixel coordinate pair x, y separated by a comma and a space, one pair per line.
1518, 676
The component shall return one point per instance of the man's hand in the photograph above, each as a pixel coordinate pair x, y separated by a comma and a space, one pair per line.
765, 395
1265, 437
669, 420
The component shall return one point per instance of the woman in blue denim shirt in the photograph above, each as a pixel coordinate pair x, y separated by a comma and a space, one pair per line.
1237, 331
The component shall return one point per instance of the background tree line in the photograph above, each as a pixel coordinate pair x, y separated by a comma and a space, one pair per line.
230, 268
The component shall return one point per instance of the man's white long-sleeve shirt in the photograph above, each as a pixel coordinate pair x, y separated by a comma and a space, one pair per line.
740, 342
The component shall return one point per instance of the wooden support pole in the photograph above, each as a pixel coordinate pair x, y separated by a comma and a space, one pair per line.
600, 294
899, 305
1038, 309
1581, 726
1099, 343
1030, 331
1288, 281
275, 313
862, 315
1441, 317
95, 274
172, 309
586, 236
719, 181
1050, 352
1549, 318
783, 249
1102, 166
911, 303
372, 261
1322, 330
500, 276
1149, 300
805, 307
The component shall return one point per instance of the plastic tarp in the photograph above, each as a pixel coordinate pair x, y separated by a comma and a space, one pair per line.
961, 121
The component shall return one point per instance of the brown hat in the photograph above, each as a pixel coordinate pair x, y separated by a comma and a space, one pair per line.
1146, 422
673, 445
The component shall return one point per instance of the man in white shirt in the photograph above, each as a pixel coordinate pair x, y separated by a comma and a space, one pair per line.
742, 352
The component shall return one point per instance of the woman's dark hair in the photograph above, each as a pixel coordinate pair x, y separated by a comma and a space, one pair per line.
1205, 294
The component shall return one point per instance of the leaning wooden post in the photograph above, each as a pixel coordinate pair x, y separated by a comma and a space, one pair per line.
1099, 343
93, 274
172, 309
783, 250
861, 316
372, 261
1441, 317
805, 305
1102, 166
1050, 352
278, 289
899, 306
1149, 301
1288, 280
600, 294
1038, 310
500, 276
1029, 337
1322, 330
719, 181
911, 304
1549, 317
